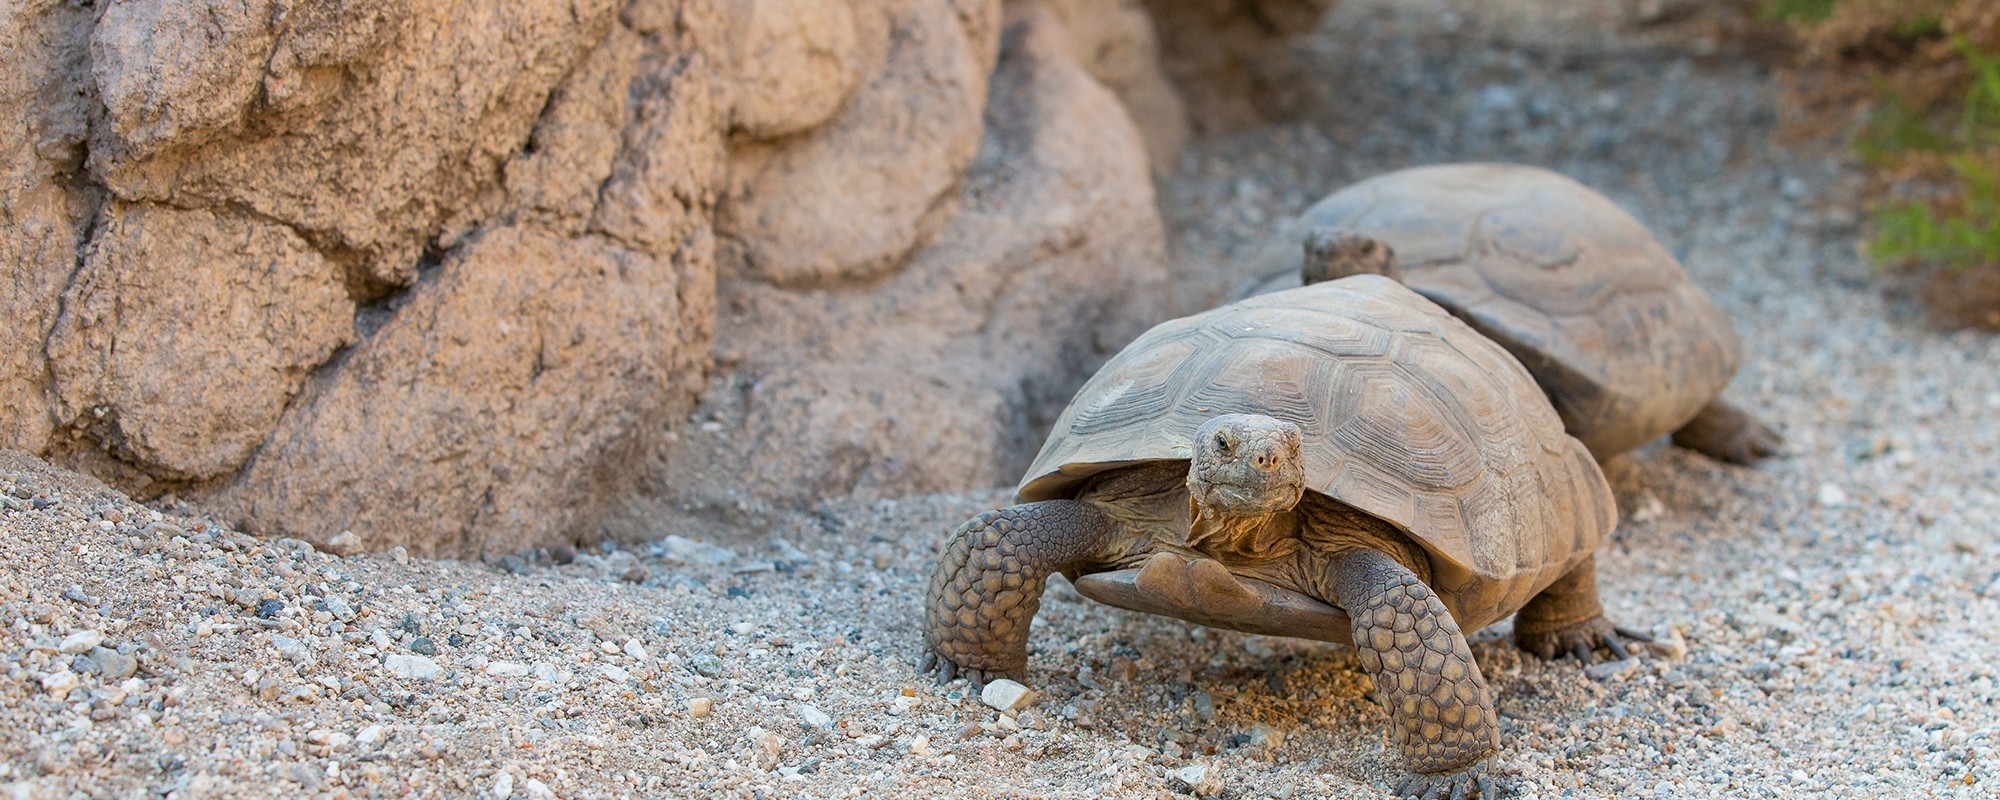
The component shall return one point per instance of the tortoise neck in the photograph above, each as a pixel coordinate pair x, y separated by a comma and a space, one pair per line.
1242, 537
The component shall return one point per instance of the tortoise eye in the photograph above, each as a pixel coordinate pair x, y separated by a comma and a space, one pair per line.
1222, 443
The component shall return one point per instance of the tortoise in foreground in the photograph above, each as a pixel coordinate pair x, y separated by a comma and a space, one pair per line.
1343, 462
1625, 344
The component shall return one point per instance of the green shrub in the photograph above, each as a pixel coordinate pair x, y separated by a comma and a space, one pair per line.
1957, 224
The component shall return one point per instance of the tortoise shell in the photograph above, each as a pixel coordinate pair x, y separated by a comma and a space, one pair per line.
1626, 345
1408, 414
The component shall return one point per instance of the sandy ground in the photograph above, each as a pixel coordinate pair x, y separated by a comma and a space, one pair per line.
1837, 606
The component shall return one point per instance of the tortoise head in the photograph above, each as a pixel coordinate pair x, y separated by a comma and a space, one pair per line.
1335, 253
1246, 465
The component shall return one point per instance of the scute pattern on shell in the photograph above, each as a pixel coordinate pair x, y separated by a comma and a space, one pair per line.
1408, 415
1627, 345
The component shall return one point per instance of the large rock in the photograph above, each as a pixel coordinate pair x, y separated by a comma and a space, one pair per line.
793, 64
453, 276
493, 412
186, 332
1116, 42
852, 201
944, 375
1231, 59
424, 273
367, 125
498, 404
44, 208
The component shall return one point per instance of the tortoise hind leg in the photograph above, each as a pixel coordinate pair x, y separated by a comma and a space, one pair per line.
988, 585
1567, 619
1411, 646
1726, 433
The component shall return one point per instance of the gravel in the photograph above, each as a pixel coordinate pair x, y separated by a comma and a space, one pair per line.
1831, 613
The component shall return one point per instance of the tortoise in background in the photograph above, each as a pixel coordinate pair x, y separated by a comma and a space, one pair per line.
1627, 347
1344, 462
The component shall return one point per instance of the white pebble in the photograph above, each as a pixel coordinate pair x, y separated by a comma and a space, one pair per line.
1199, 779
503, 786
507, 669
59, 682
369, 735
411, 667
813, 716
1006, 695
634, 649
81, 642
1832, 496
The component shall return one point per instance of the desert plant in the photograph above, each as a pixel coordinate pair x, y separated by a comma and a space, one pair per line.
1932, 78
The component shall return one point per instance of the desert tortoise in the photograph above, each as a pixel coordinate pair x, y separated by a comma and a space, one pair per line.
1627, 347
1345, 462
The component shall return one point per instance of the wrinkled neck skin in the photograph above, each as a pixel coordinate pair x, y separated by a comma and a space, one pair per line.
1242, 537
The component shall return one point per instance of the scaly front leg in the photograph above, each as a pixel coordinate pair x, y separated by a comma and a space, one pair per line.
988, 585
1412, 648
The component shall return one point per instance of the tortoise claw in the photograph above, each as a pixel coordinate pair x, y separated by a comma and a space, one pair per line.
1473, 781
1581, 639
941, 668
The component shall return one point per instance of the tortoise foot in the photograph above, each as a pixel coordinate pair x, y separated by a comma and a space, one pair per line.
941, 667
1726, 433
1580, 640
1197, 587
1472, 781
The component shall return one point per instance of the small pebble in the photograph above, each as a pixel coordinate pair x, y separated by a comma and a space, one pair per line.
411, 667
59, 682
1006, 695
80, 642
1670, 645
706, 665
1203, 780
343, 544
1612, 670
699, 707
811, 715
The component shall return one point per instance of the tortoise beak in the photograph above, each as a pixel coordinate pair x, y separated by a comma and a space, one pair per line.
1251, 497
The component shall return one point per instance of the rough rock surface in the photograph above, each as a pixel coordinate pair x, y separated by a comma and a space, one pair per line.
1235, 61
944, 374
440, 276
44, 213
851, 202
182, 360
1115, 40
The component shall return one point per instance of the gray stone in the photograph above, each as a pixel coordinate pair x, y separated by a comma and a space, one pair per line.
411, 667
1612, 670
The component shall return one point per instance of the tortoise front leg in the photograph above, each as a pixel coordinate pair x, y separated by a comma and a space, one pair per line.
1412, 648
1726, 433
1567, 619
988, 585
